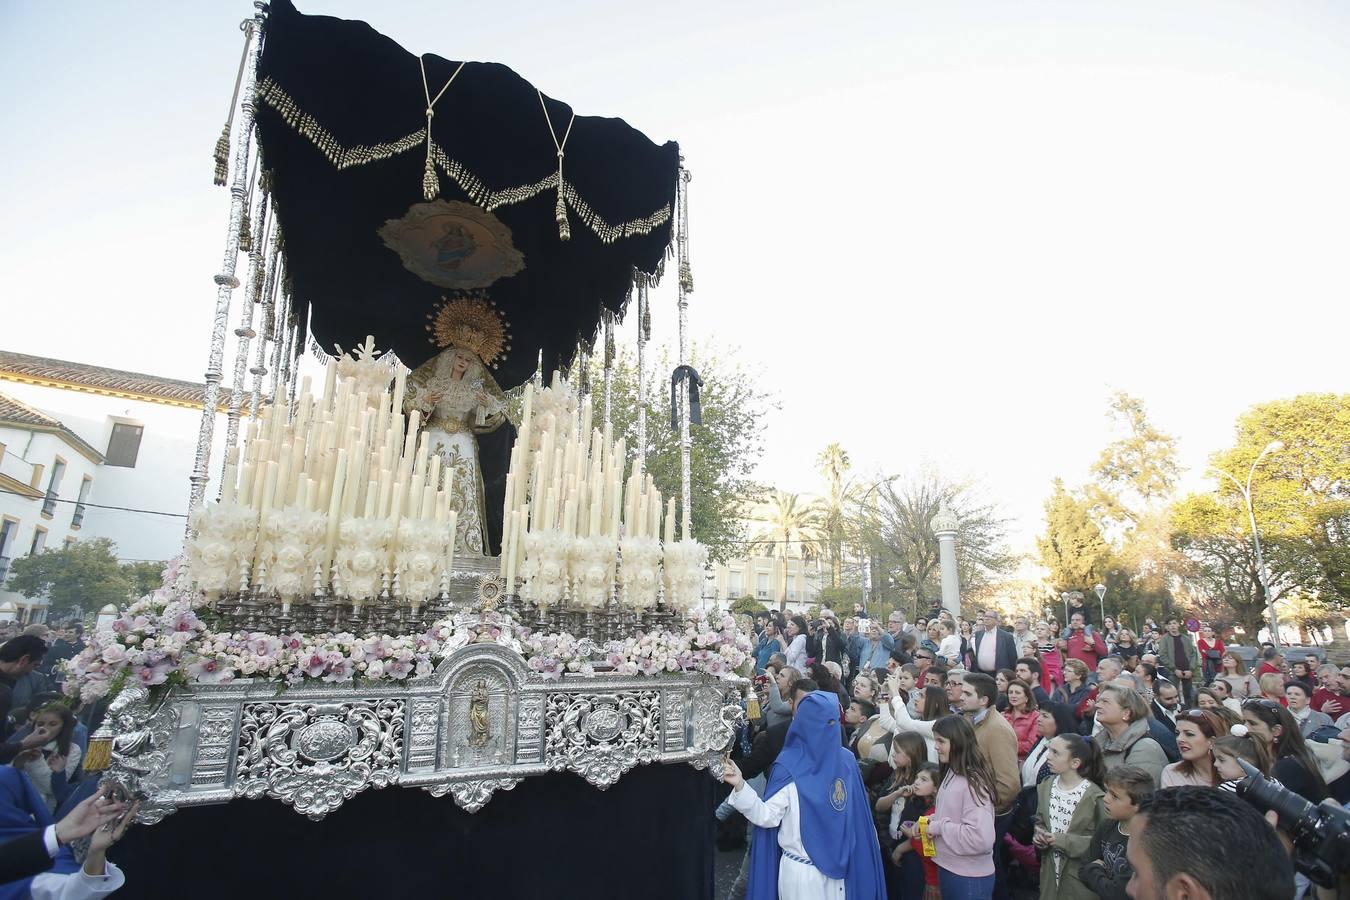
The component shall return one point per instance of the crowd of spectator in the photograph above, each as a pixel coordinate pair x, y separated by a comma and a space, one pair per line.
1012, 759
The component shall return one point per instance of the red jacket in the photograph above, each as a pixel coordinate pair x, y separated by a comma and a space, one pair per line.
1025, 728
1322, 696
1089, 651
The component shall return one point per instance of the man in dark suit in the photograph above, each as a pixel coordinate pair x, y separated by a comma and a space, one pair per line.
994, 648
32, 854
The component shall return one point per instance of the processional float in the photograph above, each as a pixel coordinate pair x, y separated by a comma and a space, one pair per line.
433, 565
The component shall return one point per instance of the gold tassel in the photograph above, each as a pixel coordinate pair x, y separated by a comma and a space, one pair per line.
99, 754
245, 234
223, 156
431, 185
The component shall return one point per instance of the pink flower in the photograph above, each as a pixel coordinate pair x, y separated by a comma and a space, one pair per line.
184, 621
210, 670
152, 675
314, 664
114, 654
340, 669
292, 641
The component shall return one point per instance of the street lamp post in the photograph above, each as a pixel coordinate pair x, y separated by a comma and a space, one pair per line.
864, 558
1272, 447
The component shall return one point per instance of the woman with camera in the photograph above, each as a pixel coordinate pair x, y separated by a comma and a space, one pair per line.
1295, 766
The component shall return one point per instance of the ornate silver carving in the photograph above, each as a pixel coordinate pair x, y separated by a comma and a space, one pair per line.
318, 744
530, 730
673, 738
602, 736
468, 746
717, 713
215, 737
315, 756
473, 795
422, 734
141, 750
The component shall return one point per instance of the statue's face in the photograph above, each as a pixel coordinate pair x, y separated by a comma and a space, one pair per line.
459, 363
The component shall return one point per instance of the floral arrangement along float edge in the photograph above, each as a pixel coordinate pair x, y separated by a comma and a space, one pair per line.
160, 641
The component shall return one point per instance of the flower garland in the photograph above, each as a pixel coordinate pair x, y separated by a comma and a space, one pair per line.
160, 640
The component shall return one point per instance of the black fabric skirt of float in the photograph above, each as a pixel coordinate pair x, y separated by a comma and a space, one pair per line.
553, 836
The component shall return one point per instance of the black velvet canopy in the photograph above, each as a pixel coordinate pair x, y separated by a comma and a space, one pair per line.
341, 113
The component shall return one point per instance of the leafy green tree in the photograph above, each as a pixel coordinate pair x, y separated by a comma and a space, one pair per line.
724, 449
841, 599
1301, 494
80, 577
1301, 501
1137, 470
747, 605
898, 530
145, 576
1072, 547
833, 463
1213, 534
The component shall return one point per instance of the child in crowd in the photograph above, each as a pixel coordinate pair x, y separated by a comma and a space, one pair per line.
1068, 811
950, 648
921, 804
1052, 664
1229, 748
962, 824
909, 753
1105, 870
906, 680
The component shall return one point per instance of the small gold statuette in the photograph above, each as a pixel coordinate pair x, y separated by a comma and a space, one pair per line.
478, 715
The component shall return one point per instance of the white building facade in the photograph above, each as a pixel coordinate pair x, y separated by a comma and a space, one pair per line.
89, 452
794, 572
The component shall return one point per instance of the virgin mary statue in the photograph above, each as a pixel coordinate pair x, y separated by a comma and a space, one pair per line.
463, 413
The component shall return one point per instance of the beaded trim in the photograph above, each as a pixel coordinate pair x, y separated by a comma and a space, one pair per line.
270, 93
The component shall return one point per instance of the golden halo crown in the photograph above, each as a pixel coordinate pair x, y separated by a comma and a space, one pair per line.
471, 323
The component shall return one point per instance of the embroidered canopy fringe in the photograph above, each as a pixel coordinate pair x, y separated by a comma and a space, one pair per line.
270, 93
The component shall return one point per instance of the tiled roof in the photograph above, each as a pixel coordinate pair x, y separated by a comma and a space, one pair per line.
12, 412
99, 380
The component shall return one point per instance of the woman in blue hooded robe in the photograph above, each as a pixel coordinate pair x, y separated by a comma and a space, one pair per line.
814, 837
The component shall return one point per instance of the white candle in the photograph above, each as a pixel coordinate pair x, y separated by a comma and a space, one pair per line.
400, 382
329, 382
427, 510
450, 529
670, 521
227, 485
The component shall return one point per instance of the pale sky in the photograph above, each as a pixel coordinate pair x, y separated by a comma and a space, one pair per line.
943, 231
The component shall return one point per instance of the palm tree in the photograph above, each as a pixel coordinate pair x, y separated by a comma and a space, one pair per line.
834, 463
791, 530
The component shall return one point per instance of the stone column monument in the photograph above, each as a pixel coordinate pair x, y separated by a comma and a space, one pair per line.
945, 525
